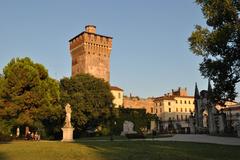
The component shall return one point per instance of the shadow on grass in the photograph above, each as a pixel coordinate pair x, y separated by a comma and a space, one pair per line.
162, 150
3, 156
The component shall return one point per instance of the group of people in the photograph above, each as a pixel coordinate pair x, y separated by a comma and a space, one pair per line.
32, 136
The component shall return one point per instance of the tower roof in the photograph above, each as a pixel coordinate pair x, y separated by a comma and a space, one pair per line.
89, 29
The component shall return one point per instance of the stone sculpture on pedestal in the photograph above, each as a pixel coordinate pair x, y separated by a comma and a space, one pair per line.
128, 127
68, 129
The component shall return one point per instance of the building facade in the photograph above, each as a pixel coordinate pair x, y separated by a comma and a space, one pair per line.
174, 108
118, 96
91, 53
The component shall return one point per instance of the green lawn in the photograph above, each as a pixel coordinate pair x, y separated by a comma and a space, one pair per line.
116, 150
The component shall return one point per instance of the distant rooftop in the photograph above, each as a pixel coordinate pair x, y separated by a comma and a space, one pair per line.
116, 88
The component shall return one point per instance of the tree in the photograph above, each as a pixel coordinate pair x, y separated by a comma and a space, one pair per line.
219, 45
90, 99
28, 96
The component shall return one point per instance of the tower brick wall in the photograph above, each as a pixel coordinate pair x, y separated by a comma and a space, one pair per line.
91, 53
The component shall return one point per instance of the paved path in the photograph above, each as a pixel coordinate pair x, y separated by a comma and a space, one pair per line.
201, 138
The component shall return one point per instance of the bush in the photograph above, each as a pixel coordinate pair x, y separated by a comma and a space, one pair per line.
135, 136
5, 138
4, 132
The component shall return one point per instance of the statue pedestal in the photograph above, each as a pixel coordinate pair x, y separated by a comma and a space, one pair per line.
67, 134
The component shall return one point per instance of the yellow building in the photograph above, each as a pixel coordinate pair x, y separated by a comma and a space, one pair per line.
174, 107
118, 96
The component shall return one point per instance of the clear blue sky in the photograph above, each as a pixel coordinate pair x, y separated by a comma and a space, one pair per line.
150, 54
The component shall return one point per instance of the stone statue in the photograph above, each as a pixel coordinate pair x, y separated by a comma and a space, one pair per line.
68, 116
68, 129
128, 128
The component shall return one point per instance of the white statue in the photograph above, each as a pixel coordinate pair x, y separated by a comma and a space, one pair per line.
68, 116
128, 127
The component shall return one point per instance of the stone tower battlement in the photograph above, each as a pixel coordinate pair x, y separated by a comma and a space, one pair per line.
91, 53
90, 28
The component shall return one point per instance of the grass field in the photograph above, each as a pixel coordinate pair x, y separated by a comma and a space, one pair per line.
116, 150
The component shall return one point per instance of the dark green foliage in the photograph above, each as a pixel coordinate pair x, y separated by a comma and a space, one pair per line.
219, 45
139, 117
5, 131
28, 97
89, 98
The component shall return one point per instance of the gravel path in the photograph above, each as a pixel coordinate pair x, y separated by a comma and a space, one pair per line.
202, 138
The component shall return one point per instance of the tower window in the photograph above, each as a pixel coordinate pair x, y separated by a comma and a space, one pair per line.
169, 103
169, 109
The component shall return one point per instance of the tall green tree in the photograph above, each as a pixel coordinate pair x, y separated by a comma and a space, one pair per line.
28, 96
90, 99
219, 45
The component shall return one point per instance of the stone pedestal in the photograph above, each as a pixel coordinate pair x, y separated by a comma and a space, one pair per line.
67, 134
192, 124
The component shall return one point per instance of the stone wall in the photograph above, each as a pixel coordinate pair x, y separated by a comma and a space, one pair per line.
136, 102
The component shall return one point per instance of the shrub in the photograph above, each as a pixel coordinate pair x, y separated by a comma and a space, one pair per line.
135, 136
4, 131
5, 138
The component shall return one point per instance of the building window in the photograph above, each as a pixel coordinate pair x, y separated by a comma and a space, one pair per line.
185, 102
177, 118
119, 95
181, 109
160, 109
190, 110
169, 109
189, 102
180, 101
176, 109
169, 103
185, 109
156, 111
151, 110
176, 101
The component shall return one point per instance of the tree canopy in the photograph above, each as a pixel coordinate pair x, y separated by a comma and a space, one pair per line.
219, 45
28, 96
90, 99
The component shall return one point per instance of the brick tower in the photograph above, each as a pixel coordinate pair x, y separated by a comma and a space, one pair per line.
91, 53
